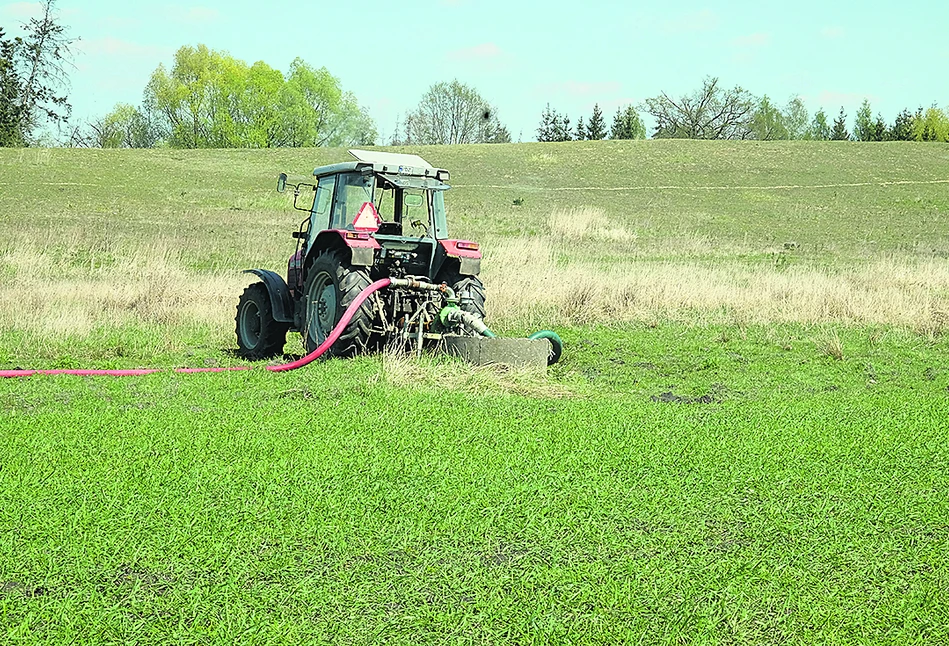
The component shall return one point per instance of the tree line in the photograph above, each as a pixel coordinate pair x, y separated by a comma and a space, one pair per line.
717, 112
209, 99
627, 124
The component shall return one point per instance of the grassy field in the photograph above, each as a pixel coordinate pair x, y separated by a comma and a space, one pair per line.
746, 440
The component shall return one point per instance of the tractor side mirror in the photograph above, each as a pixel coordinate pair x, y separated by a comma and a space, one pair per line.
282, 182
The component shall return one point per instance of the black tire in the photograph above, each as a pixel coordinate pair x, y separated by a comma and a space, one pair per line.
259, 336
469, 289
330, 288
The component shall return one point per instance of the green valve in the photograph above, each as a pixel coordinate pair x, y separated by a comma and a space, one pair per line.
443, 315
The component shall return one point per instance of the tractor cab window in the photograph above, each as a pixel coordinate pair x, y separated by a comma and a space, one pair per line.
415, 212
385, 206
404, 211
320, 218
352, 191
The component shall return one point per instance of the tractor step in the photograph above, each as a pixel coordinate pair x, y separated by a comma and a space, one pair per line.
482, 351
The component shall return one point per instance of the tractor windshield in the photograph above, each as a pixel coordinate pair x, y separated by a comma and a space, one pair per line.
410, 211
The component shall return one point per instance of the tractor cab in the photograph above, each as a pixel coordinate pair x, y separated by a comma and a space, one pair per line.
385, 211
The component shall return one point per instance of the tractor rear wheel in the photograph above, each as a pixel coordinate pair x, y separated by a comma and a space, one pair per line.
468, 289
259, 336
331, 287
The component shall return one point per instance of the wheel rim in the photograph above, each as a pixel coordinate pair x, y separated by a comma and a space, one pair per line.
321, 308
250, 324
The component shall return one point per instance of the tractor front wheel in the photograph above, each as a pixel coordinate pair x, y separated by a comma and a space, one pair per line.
259, 336
331, 287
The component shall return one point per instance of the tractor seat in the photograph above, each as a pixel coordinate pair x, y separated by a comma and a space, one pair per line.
390, 229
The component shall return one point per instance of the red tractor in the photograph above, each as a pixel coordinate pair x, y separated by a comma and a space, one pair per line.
380, 216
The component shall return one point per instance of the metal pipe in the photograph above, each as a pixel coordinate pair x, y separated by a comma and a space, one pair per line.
473, 322
412, 283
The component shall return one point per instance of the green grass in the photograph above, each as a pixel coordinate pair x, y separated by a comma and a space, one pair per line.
670, 481
698, 486
226, 199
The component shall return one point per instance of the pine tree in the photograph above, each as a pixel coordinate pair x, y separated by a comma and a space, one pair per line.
596, 129
42, 56
548, 119
840, 132
627, 124
879, 128
902, 129
11, 131
498, 135
562, 128
581, 130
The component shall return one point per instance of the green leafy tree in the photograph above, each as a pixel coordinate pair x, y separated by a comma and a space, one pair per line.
321, 114
596, 128
453, 113
796, 119
820, 129
627, 124
712, 112
931, 125
210, 99
125, 127
839, 131
768, 121
863, 129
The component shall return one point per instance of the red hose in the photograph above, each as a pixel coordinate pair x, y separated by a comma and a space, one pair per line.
343, 322
293, 365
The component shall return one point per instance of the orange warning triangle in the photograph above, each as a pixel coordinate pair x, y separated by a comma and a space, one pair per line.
367, 219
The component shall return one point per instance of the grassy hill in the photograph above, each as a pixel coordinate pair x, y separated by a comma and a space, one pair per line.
840, 197
579, 232
744, 443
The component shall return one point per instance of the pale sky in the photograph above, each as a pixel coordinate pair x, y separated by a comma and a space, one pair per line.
522, 55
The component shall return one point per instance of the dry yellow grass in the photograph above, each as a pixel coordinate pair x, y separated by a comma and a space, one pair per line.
62, 291
527, 285
587, 223
426, 374
531, 284
82, 281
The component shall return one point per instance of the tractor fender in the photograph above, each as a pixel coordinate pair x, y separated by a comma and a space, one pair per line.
280, 301
360, 246
466, 252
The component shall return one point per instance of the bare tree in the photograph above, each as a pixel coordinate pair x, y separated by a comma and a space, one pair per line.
454, 113
37, 62
125, 127
709, 113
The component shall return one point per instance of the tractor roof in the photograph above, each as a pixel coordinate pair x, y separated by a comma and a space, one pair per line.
392, 165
